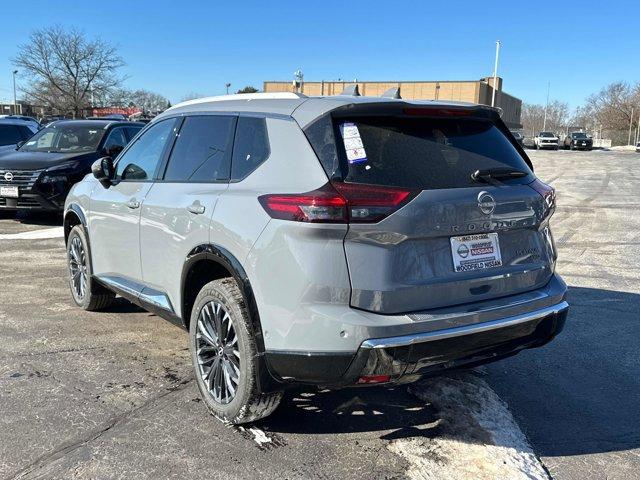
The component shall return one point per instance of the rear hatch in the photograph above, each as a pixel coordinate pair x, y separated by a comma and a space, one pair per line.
451, 239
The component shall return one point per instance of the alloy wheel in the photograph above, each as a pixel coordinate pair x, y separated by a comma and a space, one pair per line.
217, 352
78, 267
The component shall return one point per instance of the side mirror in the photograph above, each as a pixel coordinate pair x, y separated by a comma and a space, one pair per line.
19, 144
103, 170
114, 150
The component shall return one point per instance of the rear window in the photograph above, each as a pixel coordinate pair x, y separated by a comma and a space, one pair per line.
418, 153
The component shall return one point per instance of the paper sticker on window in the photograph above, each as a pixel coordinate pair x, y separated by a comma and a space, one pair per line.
353, 145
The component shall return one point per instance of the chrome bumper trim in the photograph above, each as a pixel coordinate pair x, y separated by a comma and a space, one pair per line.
464, 330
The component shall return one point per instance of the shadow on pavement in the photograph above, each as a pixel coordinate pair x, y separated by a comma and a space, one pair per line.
393, 412
581, 393
45, 219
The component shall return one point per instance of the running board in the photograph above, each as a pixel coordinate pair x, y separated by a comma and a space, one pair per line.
148, 298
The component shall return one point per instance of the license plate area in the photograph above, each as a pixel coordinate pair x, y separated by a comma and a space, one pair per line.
9, 192
475, 252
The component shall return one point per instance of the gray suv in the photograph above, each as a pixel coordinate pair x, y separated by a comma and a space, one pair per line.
336, 241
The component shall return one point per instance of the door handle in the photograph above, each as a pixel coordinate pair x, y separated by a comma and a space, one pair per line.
133, 204
196, 208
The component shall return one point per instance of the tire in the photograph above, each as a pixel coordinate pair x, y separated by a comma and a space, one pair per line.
85, 292
226, 371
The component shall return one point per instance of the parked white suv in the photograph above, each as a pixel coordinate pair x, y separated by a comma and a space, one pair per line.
333, 241
546, 140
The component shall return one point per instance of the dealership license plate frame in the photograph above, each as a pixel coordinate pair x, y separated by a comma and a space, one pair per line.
478, 251
9, 192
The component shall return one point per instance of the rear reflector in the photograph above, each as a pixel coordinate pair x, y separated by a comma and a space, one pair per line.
374, 379
337, 202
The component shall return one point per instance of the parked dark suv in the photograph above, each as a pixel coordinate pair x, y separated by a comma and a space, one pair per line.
38, 174
578, 141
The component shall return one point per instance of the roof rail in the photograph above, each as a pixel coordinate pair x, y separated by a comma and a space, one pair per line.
393, 92
351, 90
242, 96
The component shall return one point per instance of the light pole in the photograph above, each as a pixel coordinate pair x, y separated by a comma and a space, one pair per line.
630, 125
15, 101
227, 85
495, 75
546, 106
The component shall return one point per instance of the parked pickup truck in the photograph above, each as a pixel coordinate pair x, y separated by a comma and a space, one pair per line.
546, 140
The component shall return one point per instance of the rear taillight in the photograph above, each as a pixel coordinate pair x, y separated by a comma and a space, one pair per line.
548, 194
323, 205
337, 202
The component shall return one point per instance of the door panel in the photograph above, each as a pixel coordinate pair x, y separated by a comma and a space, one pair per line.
177, 212
170, 229
114, 220
114, 227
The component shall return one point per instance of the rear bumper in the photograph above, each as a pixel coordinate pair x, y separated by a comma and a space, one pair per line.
408, 358
458, 341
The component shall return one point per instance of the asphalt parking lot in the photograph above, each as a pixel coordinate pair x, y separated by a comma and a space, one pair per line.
110, 395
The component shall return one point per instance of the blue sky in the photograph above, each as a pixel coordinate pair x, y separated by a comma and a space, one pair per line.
178, 47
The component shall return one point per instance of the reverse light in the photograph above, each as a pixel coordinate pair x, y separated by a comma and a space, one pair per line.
337, 202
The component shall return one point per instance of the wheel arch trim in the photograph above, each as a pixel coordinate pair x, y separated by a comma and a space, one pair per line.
228, 261
267, 381
73, 209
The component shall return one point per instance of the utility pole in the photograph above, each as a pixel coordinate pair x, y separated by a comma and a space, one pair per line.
546, 106
15, 101
630, 125
227, 85
638, 130
495, 75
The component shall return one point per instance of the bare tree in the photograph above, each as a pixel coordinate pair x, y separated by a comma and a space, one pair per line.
148, 101
192, 96
533, 117
612, 110
63, 68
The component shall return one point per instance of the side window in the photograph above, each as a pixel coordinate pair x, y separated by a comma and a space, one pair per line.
9, 135
140, 161
116, 137
202, 152
132, 132
251, 147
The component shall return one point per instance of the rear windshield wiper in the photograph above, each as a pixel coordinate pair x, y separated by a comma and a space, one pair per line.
497, 174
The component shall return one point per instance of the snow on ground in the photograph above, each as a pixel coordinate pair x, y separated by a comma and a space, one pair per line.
476, 435
624, 148
56, 232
